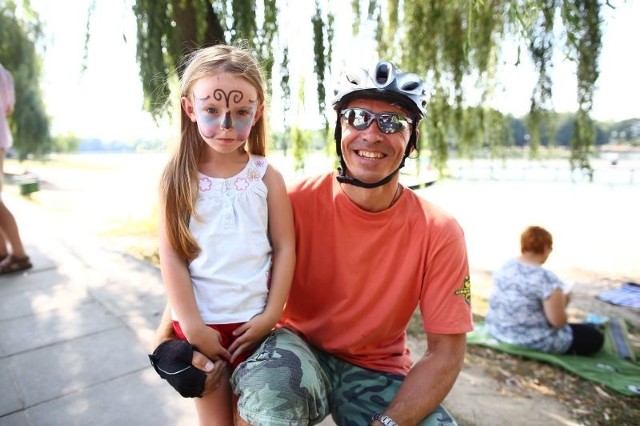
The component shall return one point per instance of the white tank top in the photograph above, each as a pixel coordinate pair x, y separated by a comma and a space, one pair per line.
231, 275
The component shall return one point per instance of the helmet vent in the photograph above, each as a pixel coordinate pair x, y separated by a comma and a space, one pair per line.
410, 86
382, 73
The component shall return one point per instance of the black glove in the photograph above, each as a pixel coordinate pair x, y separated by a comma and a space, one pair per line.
172, 361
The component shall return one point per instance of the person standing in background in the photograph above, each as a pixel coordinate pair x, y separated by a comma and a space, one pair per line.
13, 257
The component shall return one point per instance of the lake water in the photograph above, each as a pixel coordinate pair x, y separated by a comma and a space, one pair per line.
604, 171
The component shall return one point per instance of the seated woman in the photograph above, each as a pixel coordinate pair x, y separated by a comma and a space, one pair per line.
527, 306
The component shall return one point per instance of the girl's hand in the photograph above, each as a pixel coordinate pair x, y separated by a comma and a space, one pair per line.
208, 342
250, 333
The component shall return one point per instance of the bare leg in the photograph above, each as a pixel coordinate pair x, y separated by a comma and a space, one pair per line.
10, 229
8, 223
4, 250
215, 408
237, 420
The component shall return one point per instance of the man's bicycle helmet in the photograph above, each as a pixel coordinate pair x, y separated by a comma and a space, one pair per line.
388, 83
385, 82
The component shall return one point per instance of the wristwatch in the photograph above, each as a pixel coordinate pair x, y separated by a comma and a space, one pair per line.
385, 420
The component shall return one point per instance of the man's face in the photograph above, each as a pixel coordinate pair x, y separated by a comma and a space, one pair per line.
370, 154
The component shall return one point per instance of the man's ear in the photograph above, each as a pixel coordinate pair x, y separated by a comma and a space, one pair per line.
187, 106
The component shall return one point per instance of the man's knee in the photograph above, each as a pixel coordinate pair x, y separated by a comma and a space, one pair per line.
281, 383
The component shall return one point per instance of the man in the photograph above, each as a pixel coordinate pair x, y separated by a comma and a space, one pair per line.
369, 251
12, 255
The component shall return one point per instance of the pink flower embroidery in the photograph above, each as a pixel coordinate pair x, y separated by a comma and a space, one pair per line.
204, 184
241, 184
253, 174
259, 163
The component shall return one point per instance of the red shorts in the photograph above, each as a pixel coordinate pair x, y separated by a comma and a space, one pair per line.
226, 333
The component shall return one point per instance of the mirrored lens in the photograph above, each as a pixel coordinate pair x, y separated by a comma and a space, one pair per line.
388, 122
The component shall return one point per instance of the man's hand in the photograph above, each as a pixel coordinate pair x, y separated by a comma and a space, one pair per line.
215, 370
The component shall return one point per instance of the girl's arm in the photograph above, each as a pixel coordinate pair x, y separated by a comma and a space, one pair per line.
177, 282
282, 238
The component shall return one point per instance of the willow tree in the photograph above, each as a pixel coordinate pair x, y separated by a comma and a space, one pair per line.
448, 42
457, 40
29, 123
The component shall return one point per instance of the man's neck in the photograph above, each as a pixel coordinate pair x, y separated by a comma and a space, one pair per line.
374, 199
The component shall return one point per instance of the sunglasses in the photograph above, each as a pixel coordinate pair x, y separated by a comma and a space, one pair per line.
388, 122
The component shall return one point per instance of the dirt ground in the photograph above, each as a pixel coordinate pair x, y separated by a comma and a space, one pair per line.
595, 246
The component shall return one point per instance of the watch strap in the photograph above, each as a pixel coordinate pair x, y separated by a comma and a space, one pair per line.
385, 420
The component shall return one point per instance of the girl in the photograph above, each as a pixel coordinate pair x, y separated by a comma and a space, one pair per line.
226, 226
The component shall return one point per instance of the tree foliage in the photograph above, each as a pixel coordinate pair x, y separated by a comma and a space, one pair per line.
19, 33
168, 30
452, 43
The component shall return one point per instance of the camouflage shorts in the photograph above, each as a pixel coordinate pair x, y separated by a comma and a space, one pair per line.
287, 382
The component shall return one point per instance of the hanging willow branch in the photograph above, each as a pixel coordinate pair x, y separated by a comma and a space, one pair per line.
584, 39
541, 39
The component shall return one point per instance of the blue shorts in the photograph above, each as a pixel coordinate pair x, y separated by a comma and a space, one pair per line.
287, 382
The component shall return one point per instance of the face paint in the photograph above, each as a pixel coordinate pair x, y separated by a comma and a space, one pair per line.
218, 94
243, 123
212, 121
209, 124
227, 124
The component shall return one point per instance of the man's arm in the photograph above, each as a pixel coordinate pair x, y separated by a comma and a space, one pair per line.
429, 380
165, 328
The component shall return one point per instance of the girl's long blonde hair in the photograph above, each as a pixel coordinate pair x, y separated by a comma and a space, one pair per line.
179, 182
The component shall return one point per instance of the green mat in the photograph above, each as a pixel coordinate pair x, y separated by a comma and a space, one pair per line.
605, 367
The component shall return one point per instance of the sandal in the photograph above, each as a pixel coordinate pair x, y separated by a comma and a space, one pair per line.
14, 264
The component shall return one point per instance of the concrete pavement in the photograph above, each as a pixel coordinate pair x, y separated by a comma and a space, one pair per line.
75, 330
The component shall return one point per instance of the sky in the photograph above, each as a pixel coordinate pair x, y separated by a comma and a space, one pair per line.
105, 101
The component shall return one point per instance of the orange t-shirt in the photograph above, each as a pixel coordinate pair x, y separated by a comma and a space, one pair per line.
359, 275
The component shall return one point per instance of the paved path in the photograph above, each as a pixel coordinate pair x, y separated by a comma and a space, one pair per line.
74, 333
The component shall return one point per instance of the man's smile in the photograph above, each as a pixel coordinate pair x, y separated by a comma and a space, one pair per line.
369, 154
